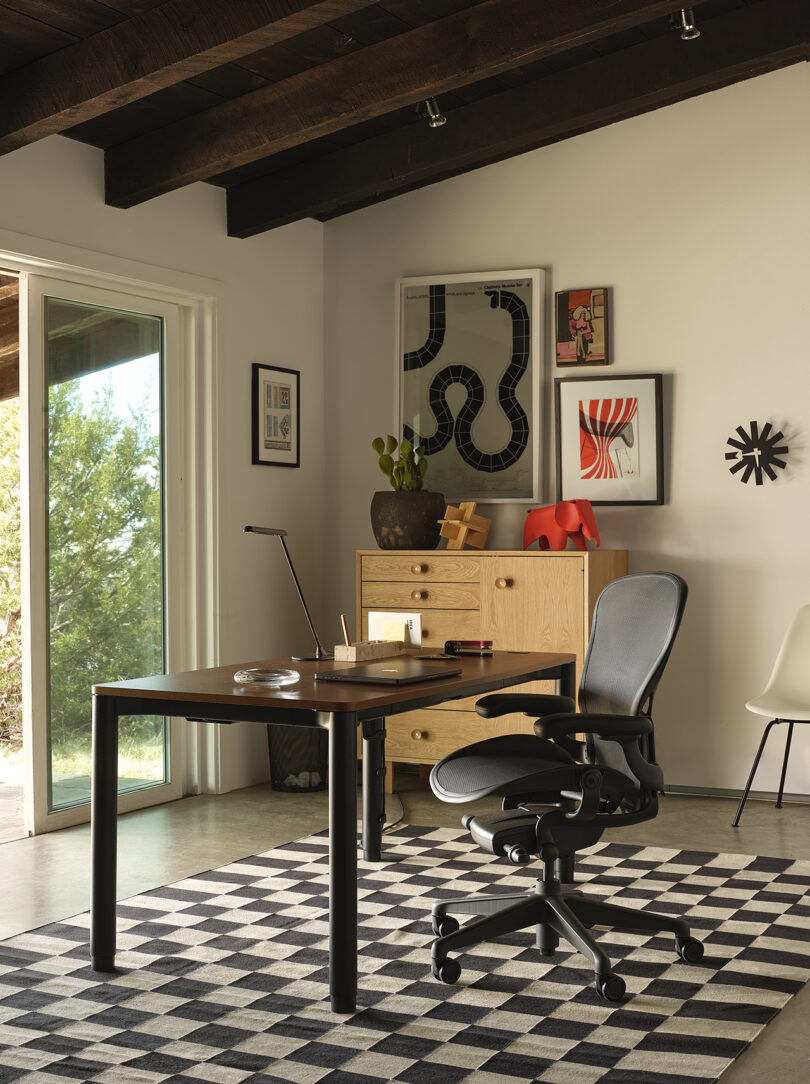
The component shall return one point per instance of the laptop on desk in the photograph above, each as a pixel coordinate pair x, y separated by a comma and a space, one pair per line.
392, 671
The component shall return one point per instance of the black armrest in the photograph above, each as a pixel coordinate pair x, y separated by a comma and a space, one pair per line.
532, 704
625, 730
610, 727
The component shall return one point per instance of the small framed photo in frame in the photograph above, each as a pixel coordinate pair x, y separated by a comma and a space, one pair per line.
582, 326
609, 439
276, 416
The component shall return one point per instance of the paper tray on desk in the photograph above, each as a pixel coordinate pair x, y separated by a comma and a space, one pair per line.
367, 650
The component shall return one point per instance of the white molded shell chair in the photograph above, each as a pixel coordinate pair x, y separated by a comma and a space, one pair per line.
786, 697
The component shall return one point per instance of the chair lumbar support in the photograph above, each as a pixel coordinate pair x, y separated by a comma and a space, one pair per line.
560, 793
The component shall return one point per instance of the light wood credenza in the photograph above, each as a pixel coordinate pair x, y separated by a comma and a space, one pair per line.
522, 600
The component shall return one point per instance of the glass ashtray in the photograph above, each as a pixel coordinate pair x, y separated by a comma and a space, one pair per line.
273, 679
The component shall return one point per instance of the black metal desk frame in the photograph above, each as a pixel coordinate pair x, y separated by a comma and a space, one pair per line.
342, 727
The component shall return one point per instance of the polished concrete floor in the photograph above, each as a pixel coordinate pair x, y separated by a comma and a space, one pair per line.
47, 878
11, 812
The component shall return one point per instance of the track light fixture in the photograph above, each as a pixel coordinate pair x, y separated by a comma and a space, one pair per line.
435, 117
685, 22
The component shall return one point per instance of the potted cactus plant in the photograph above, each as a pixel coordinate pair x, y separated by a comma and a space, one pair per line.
406, 516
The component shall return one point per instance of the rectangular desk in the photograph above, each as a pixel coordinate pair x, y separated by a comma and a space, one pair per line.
213, 696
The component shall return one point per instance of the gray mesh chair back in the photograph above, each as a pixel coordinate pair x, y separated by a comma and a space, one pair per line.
633, 628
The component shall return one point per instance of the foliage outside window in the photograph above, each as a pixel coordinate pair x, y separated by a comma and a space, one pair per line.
105, 583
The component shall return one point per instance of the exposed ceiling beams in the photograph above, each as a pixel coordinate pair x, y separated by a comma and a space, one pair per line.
9, 337
153, 50
622, 84
471, 45
309, 108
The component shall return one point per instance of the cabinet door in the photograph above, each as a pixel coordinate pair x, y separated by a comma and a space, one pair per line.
533, 604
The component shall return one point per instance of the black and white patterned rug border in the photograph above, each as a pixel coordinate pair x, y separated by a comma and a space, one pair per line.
223, 977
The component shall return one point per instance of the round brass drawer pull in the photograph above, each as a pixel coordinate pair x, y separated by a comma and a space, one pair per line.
502, 582
417, 595
418, 569
418, 735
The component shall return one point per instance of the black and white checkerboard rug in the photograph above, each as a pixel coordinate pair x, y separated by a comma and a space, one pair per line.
223, 977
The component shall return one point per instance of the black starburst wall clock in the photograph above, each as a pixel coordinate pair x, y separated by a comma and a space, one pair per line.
756, 452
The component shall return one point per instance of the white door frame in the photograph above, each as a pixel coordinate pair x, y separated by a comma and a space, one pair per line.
190, 529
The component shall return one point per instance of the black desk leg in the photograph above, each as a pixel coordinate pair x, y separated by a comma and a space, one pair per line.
373, 788
104, 832
343, 860
568, 680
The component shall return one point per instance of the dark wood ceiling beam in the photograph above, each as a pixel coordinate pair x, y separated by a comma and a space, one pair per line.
474, 44
9, 340
175, 41
735, 46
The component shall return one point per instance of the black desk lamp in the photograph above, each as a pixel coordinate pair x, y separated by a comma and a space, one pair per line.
319, 651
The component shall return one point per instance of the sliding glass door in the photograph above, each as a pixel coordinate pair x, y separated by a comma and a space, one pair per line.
104, 535
100, 471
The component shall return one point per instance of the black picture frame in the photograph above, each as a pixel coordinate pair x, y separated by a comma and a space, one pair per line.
276, 419
590, 464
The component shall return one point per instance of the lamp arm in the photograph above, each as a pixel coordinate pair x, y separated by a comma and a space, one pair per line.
320, 654
319, 651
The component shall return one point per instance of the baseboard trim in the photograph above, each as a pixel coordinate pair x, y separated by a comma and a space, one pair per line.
722, 792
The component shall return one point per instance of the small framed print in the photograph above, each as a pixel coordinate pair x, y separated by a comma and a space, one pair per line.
276, 416
609, 439
582, 331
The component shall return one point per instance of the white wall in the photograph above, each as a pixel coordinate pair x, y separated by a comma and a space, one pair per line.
268, 293
697, 216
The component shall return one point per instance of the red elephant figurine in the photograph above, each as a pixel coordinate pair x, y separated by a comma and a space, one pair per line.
551, 527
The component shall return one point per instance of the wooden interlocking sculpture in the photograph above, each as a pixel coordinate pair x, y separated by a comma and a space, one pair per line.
461, 527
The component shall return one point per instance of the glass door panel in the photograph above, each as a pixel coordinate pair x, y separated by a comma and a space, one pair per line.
104, 535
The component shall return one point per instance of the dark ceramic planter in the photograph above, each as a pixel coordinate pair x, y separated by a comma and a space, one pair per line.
403, 520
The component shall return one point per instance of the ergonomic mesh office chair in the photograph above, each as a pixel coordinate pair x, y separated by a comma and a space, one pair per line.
559, 793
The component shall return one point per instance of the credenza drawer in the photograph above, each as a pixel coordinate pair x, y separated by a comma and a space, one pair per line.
441, 625
421, 566
430, 595
423, 737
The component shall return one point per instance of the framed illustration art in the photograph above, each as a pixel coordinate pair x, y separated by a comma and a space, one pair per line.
582, 332
276, 416
470, 381
609, 440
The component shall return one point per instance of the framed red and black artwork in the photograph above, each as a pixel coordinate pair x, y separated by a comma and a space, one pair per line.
609, 439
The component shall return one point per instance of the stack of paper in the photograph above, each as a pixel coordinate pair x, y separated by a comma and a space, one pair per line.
384, 625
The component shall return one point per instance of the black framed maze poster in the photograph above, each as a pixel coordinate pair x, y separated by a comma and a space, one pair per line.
470, 381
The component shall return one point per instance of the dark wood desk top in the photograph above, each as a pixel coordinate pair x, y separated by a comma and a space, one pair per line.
216, 686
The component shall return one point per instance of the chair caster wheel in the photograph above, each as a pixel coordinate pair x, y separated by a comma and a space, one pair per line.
610, 987
446, 970
690, 950
444, 924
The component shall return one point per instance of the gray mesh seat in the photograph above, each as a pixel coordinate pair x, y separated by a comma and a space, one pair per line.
559, 792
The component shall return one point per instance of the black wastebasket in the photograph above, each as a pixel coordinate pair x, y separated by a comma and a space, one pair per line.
299, 757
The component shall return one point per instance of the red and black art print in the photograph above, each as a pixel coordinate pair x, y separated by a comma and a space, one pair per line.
609, 443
